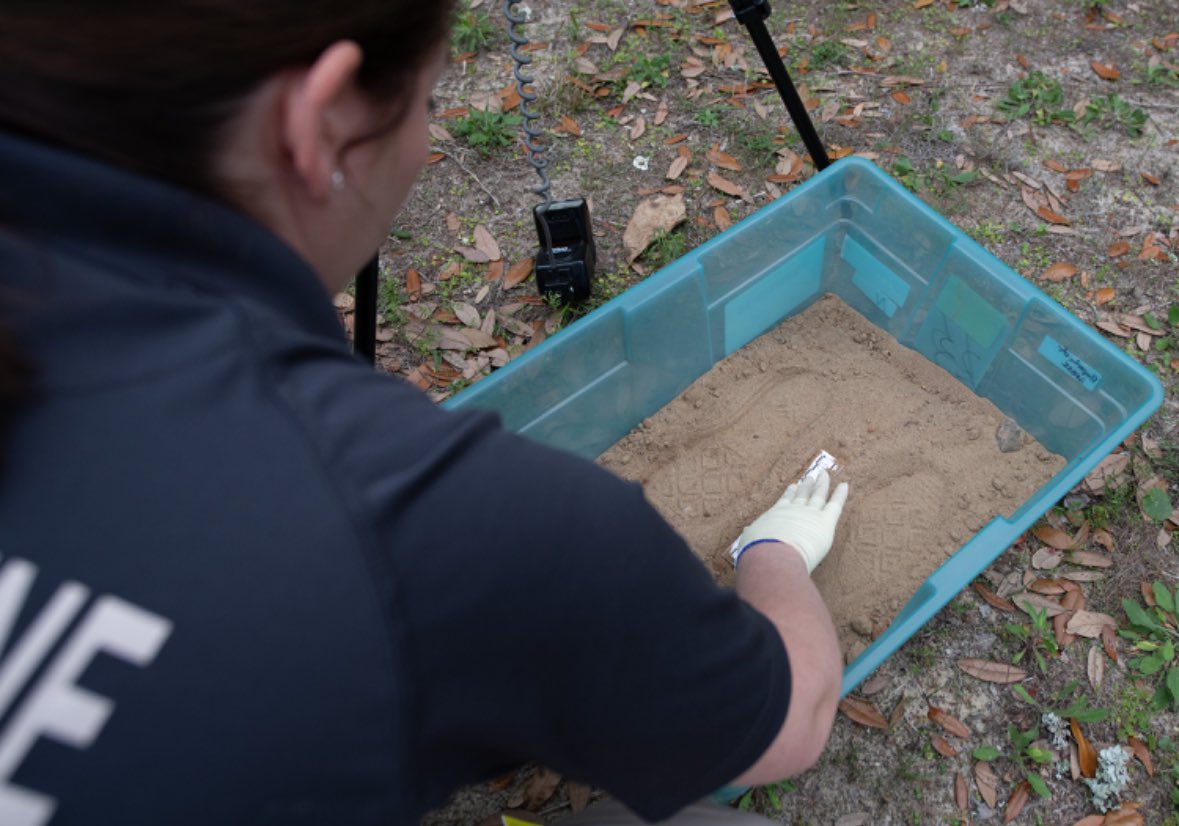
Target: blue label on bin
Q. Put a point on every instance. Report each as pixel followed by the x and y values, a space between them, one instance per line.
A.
pixel 1070 363
pixel 884 288
pixel 970 311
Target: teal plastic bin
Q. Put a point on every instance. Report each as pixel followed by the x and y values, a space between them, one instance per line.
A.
pixel 853 231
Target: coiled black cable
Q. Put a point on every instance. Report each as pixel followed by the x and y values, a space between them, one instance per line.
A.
pixel 532 132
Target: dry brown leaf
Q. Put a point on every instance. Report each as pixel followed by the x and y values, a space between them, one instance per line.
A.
pixel 942 746
pixel 413 284
pixel 1118 248
pixel 1108 472
pixel 722 218
pixel 1104 295
pixel 992 672
pixel 1049 587
pixel 498 784
pixel 579 795
pixel 1053 537
pixel 1089 624
pixel 652 217
pixel 900 97
pixel 1113 328
pixel 1027 600
pixel 677 167
pixel 1102 165
pixel 993 599
pixel 862 712
pixel 1059 272
pixel 1147 594
pixel 1137 322
pixel 485 242
pixel 1109 642
pixel 898 712
pixel 987 783
pixel 1086 754
pixel 1046 559
pixel 961 794
pixel 473 254
pixel 1126 815
pixel 1015 803
pixel 1083 576
pixel 540 788
pixel 518 273
pixel 1150 179
pixel 1142 753
pixel 569 126
pixel 467 314
pixel 495 272
pixel 723 160
pixel 717 181
pixel 1105 539
pixel 1060 630
pixel 1105 71
pixel 1052 217
pixel 1090 559
pixel 952 725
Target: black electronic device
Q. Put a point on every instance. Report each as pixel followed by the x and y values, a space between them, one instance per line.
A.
pixel 567 255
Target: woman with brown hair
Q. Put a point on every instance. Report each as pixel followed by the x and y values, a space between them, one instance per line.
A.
pixel 242 577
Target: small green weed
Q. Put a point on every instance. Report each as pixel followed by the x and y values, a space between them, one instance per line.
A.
pixel 1037 639
pixel 759 145
pixel 1161 75
pixel 391 302
pixel 936 180
pixel 1153 632
pixel 1037 96
pixel 666 247
pixel 828 53
pixel 485 131
pixel 708 116
pixel 769 796
pixel 1114 111
pixel 1133 713
pixel 472 32
pixel 650 71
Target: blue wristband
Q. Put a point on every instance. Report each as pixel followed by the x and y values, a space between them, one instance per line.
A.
pixel 737 555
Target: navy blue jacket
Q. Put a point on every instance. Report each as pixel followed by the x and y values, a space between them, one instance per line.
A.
pixel 244 578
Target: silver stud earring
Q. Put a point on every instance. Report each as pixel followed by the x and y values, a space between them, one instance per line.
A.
pixel 338 181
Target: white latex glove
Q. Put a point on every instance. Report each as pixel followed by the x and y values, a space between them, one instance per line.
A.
pixel 804 518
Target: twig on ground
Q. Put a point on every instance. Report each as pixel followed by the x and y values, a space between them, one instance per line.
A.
pixel 475 177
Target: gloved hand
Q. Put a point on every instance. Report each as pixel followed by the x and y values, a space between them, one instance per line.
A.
pixel 804 517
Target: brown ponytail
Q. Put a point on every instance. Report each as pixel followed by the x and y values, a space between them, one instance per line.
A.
pixel 150 85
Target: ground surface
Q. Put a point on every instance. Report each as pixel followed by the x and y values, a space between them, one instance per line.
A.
pixel 1047 130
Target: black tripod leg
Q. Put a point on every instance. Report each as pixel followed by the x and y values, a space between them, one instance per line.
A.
pixel 752 13
pixel 364 329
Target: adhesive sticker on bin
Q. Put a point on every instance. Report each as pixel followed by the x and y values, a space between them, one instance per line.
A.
pixel 1060 356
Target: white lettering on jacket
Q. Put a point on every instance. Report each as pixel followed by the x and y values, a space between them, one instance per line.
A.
pixel 56 707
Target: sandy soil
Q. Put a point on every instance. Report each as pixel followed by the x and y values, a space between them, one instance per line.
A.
pixel 919 450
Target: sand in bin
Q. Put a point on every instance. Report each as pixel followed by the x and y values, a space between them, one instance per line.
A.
pixel 917 447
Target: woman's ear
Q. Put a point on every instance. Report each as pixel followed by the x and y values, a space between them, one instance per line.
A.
pixel 321 117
